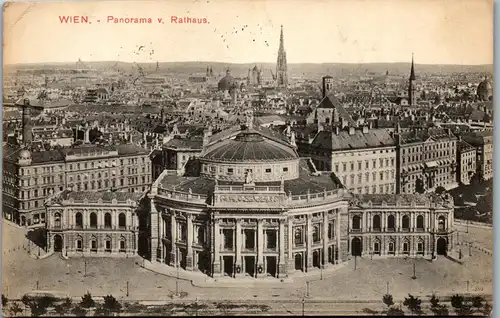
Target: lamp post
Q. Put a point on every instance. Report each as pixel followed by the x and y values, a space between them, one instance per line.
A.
pixel 127 289
pixel 467 286
pixel 321 265
pixel 355 261
pixel 303 306
pixel 414 274
pixel 467 227
pixel 387 289
pixel 85 268
pixel 307 289
pixel 177 281
pixel 470 252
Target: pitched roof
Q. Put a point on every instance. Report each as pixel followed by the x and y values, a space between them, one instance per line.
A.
pixel 359 140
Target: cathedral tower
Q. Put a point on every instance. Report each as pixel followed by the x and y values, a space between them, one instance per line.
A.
pixel 281 68
pixel 412 99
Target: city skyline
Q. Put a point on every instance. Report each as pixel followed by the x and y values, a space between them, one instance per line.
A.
pixel 252 35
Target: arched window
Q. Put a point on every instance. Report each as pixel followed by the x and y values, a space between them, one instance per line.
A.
pixel 123 244
pixel 405 220
pixel 391 247
pixel 107 220
pixel 57 220
pixel 391 222
pixel 376 222
pixel 406 247
pixel 79 220
pixel 316 235
pixel 420 222
pixel 79 243
pixel 298 237
pixel 121 220
pixel 93 220
pixel 356 222
pixel 376 247
pixel 442 223
pixel 93 244
pixel 108 244
pixel 201 235
pixel 420 247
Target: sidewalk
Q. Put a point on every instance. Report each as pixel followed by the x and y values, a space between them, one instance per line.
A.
pixel 199 279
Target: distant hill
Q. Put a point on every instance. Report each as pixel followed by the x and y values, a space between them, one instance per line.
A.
pixel 241 70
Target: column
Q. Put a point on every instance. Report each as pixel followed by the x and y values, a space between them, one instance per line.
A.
pixel 291 263
pixel 325 240
pixel 161 225
pixel 309 232
pixel 282 260
pixel 189 254
pixel 173 239
pixel 154 231
pixel 337 234
pixel 260 246
pixel 238 246
pixel 216 248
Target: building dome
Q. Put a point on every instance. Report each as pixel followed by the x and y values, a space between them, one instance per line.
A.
pixel 24 154
pixel 250 146
pixel 227 82
pixel 484 89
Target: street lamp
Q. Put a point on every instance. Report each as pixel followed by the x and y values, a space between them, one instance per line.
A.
pixel 355 261
pixel 177 280
pixel 307 289
pixel 303 305
pixel 467 227
pixel 414 274
pixel 470 252
pixel 321 265
pixel 387 289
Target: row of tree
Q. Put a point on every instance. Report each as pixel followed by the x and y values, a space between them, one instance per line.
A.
pixel 462 306
pixel 39 306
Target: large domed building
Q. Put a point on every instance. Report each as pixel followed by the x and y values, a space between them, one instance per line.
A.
pixel 485 90
pixel 249 206
pixel 227 83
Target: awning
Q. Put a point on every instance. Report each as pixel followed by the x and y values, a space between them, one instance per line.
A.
pixel 431 164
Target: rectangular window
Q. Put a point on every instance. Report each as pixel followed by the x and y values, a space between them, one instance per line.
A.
pixel 230 171
pixel 285 169
pixel 268 170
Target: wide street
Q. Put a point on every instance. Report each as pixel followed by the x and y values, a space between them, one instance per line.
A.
pixel 369 281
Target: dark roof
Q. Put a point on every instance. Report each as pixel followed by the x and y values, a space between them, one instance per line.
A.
pixel 464 146
pixel 184 143
pixel 130 149
pixel 359 140
pixel 413 136
pixel 249 146
pixel 330 101
pixel 392 199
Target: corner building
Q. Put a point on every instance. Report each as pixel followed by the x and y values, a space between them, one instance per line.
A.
pixel 249 206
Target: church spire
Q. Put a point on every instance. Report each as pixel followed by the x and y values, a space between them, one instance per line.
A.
pixel 281 65
pixel 282 41
pixel 412 72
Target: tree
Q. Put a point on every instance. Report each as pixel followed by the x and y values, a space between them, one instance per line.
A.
pixel 457 301
pixel 477 302
pixel 393 311
pixel 79 311
pixel 15 309
pixel 440 310
pixel 419 186
pixel 111 304
pixel 5 300
pixel 440 190
pixel 37 309
pixel 388 300
pixel 64 307
pixel 486 309
pixel 413 304
pixel 434 301
pixel 87 301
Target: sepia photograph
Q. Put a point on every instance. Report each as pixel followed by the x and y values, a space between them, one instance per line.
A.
pixel 266 157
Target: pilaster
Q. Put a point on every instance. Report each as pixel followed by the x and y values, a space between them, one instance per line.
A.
pixel 189 252
pixel 282 260
pixel 309 237
pixel 173 239
pixel 238 246
pixel 325 240
pixel 260 244
pixel 154 231
pixel 216 270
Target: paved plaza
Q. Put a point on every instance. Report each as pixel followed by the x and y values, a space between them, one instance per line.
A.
pixel 369 281
pixel 482 236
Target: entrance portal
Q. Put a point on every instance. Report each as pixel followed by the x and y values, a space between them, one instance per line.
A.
pixel 441 246
pixel 58 243
pixel 356 247
pixel 228 265
pixel 250 265
pixel 271 265
pixel 298 262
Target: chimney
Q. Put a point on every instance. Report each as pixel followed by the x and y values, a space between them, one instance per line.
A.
pixel 87 136
pixel 351 130
pixel 337 130
pixel 27 130
pixel 365 129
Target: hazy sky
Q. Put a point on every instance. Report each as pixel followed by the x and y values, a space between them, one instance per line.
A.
pixel 319 31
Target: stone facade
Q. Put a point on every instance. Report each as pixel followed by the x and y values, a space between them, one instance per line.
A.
pixel 93 224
